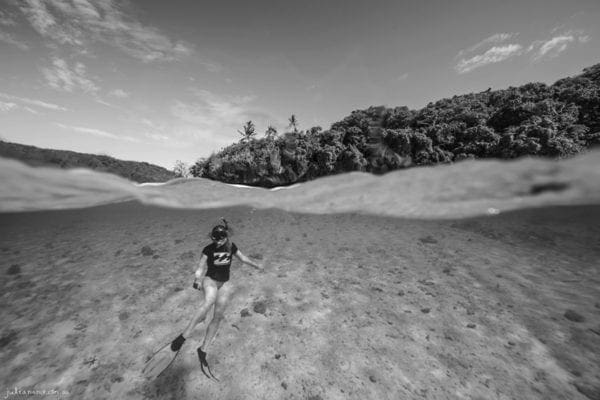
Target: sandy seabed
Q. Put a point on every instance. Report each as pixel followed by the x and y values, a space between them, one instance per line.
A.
pixel 349 306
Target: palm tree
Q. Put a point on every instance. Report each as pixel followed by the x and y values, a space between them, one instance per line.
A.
pixel 271 132
pixel 249 130
pixel 293 123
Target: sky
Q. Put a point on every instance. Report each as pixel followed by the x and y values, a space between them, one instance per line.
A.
pixel 161 81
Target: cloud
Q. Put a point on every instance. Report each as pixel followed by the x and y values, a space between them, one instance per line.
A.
pixel 494 39
pixel 80 22
pixel 214 119
pixel 98 132
pixel 44 22
pixel 402 77
pixel 8 106
pixel 158 137
pixel 212 109
pixel 105 103
pixel 168 134
pixel 493 55
pixel 10 39
pixel 63 77
pixel 120 93
pixel 31 102
pixel 4 106
pixel 553 47
pixel 584 39
pixel 31 110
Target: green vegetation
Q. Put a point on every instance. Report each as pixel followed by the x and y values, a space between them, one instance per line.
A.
pixel 534 119
pixel 134 171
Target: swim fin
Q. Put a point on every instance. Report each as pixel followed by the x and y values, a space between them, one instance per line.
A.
pixel 159 362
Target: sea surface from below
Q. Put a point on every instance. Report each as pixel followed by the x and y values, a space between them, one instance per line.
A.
pixel 464 189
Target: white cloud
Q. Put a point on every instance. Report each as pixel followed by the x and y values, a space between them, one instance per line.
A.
pixel 4 106
pixel 32 102
pixel 158 132
pixel 80 22
pixel 494 55
pixel 10 39
pixel 120 93
pixel 8 106
pixel 97 132
pixel 533 45
pixel 44 22
pixel 63 77
pixel 213 119
pixel 553 47
pixel 211 109
pixel 584 39
pixel 158 137
pixel 494 39
pixel 31 110
pixel 105 103
pixel 540 48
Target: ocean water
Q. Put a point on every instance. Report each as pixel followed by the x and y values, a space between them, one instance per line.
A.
pixel 469 188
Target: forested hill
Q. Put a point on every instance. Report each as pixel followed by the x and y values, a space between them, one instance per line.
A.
pixel 535 119
pixel 132 170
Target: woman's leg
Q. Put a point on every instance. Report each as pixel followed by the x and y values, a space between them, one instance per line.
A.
pixel 210 296
pixel 222 300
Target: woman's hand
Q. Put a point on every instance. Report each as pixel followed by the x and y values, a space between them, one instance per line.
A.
pixel 197 285
pixel 259 267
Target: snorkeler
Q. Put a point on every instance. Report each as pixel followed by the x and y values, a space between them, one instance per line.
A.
pixel 212 276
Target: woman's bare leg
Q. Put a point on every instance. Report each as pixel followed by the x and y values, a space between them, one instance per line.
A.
pixel 210 297
pixel 223 297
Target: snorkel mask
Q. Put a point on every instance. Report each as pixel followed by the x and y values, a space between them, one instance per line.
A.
pixel 219 232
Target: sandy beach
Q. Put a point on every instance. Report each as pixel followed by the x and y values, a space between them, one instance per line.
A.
pixel 349 306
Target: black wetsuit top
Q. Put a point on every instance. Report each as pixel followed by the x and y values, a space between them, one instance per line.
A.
pixel 219 261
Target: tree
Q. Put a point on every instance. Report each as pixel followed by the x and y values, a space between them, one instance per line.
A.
pixel 181 169
pixel 293 123
pixel 270 133
pixel 197 170
pixel 389 149
pixel 249 131
pixel 398 118
pixel 556 120
pixel 352 159
pixel 315 130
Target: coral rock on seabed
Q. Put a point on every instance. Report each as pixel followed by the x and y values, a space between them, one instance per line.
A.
pixel 574 316
pixel 260 307
pixel 147 251
pixel 14 269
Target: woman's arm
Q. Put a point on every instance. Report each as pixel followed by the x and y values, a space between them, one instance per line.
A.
pixel 200 272
pixel 248 261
